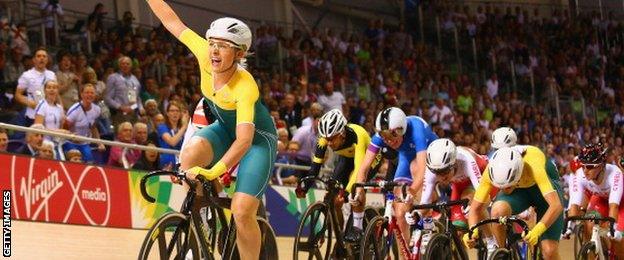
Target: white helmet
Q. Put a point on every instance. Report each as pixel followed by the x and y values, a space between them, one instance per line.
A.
pixel 505 167
pixel 390 119
pixel 231 29
pixel 503 137
pixel 441 155
pixel 331 123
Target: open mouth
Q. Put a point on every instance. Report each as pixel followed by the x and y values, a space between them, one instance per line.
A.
pixel 215 62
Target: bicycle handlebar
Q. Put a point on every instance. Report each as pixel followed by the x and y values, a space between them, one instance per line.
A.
pixel 386 186
pixel 378 184
pixel 179 174
pixel 329 182
pixel 500 220
pixel 595 219
pixel 438 205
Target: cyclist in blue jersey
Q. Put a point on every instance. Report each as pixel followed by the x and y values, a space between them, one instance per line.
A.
pixel 410 137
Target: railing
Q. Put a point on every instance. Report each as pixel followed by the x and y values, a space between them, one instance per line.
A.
pixel 74 137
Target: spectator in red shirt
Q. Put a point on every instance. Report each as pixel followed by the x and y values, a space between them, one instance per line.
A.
pixel 120 156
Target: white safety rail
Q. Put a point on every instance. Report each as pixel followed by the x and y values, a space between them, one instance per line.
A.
pixel 74 137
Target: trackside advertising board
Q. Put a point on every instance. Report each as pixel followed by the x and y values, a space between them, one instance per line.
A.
pixel 72 193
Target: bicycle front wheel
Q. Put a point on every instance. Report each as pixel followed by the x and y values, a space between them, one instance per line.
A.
pixel 377 241
pixel 172 237
pixel 268 250
pixel 268 243
pixel 439 247
pixel 588 251
pixel 314 235
pixel 579 240
pixel 369 214
pixel 500 254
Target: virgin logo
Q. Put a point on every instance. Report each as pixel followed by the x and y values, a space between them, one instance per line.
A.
pixel 49 191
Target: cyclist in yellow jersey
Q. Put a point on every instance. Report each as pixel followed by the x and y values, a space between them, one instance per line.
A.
pixel 349 142
pixel 243 132
pixel 520 173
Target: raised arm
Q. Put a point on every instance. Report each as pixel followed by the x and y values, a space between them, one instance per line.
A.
pixel 167 16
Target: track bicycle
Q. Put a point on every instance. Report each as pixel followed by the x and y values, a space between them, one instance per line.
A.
pixel 185 235
pixel 596 247
pixel 319 225
pixel 443 241
pixel 379 238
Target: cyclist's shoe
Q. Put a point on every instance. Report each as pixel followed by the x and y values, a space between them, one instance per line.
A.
pixel 353 235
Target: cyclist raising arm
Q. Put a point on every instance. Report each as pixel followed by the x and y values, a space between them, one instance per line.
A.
pixel 523 181
pixel 244 132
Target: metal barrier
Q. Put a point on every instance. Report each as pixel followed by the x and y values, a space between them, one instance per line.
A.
pixel 127 145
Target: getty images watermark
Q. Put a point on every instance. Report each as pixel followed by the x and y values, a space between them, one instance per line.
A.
pixel 6 223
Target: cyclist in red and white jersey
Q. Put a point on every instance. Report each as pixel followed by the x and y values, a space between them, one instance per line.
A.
pixel 460 167
pixel 602 183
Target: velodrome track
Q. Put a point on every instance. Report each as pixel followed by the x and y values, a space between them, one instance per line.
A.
pixel 35 240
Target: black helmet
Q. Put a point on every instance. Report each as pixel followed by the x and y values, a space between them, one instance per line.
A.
pixel 593 154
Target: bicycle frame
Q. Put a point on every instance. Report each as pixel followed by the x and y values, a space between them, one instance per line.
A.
pixel 195 223
pixel 392 228
pixel 449 229
pixel 595 237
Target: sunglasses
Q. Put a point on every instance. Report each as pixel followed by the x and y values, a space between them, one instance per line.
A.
pixel 333 138
pixel 591 166
pixel 444 171
pixel 221 45
pixel 389 134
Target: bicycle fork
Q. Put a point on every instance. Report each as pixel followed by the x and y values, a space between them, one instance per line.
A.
pixel 597 241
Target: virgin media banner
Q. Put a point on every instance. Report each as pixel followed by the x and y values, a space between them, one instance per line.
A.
pixel 62 192
pixel 65 192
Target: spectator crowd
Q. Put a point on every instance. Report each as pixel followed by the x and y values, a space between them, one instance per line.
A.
pixel 141 87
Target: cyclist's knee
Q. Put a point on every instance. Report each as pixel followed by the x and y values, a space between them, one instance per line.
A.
pixel 197 151
pixel 550 249
pixel 244 208
pixel 501 208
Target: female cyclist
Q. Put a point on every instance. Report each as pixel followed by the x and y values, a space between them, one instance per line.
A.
pixel 244 131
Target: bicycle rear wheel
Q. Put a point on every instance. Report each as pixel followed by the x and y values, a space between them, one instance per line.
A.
pixel 314 235
pixel 172 237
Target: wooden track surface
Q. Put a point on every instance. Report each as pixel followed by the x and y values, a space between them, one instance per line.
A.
pixel 34 240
